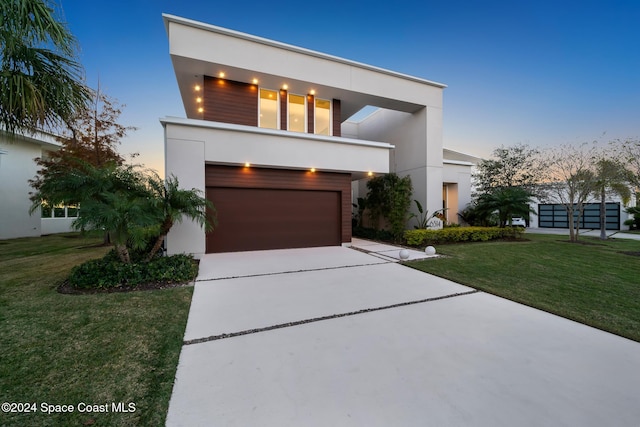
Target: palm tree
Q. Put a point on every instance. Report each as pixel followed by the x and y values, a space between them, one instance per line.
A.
pixel 507 201
pixel 40 79
pixel 610 177
pixel 112 198
pixel 171 204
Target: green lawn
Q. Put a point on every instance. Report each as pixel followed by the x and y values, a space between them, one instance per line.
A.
pixel 592 283
pixel 92 349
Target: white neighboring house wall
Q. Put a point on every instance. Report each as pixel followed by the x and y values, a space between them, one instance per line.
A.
pixel 17 167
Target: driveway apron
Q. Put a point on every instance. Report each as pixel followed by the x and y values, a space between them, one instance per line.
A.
pixel 338 337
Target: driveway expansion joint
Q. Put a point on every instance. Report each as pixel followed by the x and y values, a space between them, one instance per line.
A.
pixel 275 273
pixel 318 319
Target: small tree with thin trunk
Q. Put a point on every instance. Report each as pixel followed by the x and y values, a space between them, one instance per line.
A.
pixel 628 151
pixel 610 177
pixel 570 180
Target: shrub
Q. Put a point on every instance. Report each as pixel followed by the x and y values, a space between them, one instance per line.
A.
pixel 372 234
pixel 633 223
pixel 389 197
pixel 460 234
pixel 109 272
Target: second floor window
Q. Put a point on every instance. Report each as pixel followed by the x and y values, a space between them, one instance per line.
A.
pixel 297 116
pixel 322 117
pixel 268 109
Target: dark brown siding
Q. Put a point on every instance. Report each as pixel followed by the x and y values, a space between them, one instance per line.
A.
pixel 311 110
pixel 230 102
pixel 285 208
pixel 337 123
pixel 283 109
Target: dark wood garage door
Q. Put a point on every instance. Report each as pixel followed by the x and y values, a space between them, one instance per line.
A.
pixel 260 208
pixel 256 219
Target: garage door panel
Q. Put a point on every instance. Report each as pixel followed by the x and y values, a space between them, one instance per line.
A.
pixel 255 219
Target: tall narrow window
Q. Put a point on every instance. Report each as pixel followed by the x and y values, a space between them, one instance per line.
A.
pixel 268 109
pixel 297 113
pixel 323 117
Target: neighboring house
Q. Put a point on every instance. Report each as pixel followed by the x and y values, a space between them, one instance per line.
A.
pixel 553 215
pixel 17 167
pixel 268 140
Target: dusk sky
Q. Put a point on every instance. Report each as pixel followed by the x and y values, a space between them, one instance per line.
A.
pixel 542 73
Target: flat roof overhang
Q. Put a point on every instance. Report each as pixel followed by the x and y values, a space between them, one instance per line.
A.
pixel 199 49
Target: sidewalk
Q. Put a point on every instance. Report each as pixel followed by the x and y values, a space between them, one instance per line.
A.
pixel 612 234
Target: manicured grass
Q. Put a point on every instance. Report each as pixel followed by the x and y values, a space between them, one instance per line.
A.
pixel 592 283
pixel 96 349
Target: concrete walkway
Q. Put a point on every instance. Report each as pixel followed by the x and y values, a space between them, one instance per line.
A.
pixel 611 234
pixel 339 337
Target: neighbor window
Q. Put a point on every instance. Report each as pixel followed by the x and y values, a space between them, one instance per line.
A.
pixel 297 113
pixel 59 211
pixel 268 109
pixel 323 117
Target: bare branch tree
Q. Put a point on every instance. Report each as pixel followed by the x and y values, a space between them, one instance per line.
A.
pixel 628 151
pixel 570 180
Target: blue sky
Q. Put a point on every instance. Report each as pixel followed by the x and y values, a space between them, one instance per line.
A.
pixel 542 73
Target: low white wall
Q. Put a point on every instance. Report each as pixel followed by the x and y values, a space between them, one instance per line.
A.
pixel 56 225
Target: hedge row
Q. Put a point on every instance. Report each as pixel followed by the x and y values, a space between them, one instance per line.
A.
pixel 460 234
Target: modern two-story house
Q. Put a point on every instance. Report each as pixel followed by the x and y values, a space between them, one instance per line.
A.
pixel 267 138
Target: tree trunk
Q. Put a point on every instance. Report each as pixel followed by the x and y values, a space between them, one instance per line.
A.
pixel 603 214
pixel 123 253
pixel 155 248
pixel 164 230
pixel 572 231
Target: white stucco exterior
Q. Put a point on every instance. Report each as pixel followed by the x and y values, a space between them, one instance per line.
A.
pixel 403 136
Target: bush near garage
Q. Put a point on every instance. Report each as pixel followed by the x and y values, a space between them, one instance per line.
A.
pixel 460 234
pixel 110 273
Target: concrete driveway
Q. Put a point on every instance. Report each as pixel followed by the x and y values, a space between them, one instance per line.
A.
pixel 338 337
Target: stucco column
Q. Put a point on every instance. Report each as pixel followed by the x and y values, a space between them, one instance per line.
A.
pixel 433 123
pixel 185 159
